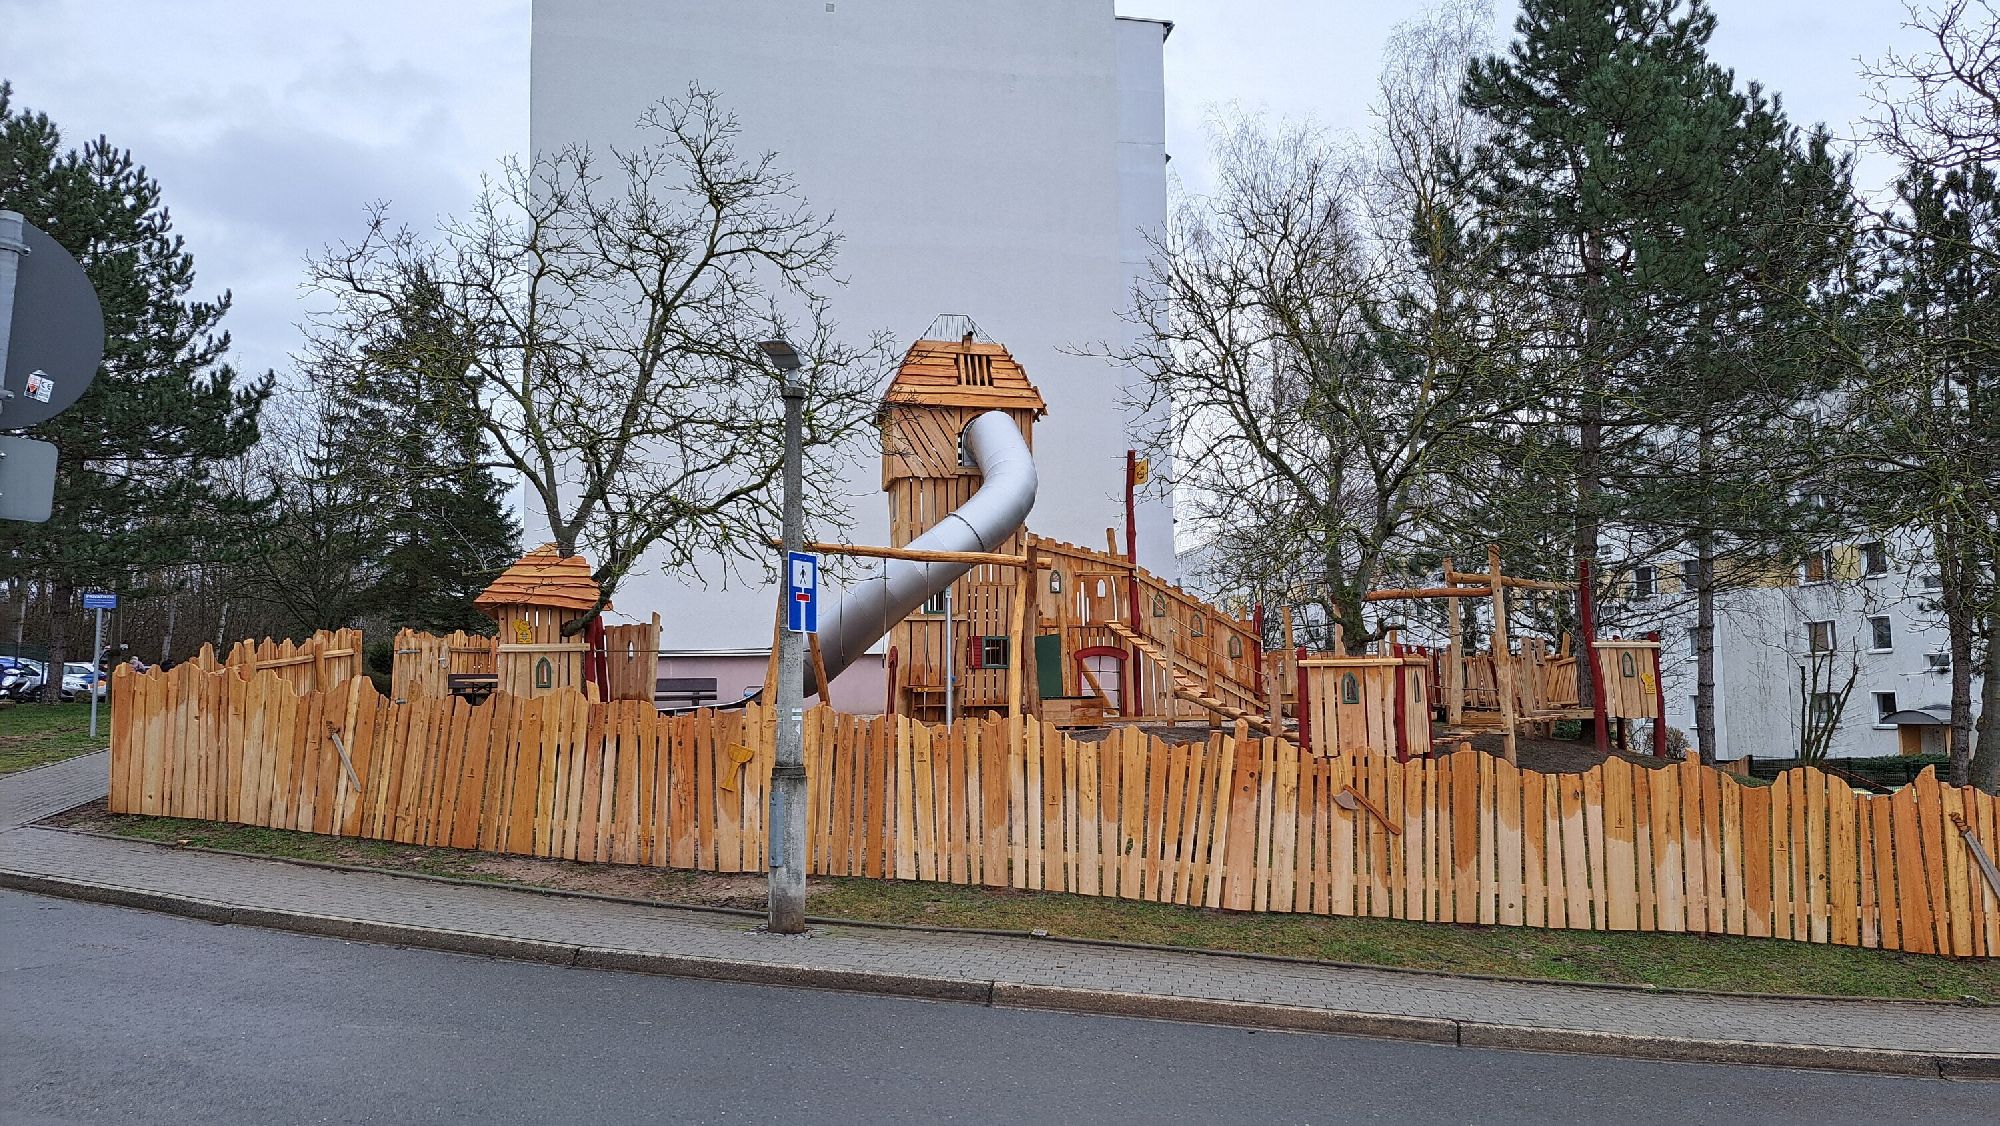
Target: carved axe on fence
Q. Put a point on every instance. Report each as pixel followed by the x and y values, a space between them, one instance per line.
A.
pixel 1348 799
pixel 1986 868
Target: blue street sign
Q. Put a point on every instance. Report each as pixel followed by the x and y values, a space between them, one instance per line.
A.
pixel 802 592
pixel 99 600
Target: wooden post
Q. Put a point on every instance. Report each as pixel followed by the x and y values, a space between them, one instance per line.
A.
pixel 1274 699
pixel 1302 704
pixel 1257 648
pixel 819 671
pixel 1024 591
pixel 1401 716
pixel 1503 661
pixel 771 667
pixel 1454 669
pixel 1660 700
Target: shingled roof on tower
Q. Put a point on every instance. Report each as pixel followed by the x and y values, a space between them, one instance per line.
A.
pixel 966 372
pixel 543 578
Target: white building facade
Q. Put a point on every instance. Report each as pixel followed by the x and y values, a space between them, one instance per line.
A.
pixel 1869 609
pixel 1002 161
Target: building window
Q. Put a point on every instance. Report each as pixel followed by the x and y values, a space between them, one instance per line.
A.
pixel 1934 580
pixel 1818 567
pixel 993 652
pixel 1881 637
pixel 1819 637
pixel 1874 559
pixel 934 604
pixel 1885 706
pixel 1691 574
pixel 1825 707
pixel 1645 582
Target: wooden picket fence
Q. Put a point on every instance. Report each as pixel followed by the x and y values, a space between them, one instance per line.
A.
pixel 321 661
pixel 1232 822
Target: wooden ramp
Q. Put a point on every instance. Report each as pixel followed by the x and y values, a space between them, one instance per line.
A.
pixel 1184 687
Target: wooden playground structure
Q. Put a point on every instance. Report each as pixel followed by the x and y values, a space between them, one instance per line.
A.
pixel 1078 636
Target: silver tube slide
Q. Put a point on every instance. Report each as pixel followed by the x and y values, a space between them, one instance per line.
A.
pixel 874 605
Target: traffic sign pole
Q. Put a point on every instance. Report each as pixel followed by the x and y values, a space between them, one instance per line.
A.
pixel 90 686
pixel 99 601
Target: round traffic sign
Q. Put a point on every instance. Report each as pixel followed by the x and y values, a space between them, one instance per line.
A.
pixel 57 337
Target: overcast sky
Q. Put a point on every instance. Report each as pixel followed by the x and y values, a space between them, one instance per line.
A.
pixel 270 125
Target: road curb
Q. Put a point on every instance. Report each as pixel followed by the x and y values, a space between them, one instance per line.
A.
pixel 1239 1014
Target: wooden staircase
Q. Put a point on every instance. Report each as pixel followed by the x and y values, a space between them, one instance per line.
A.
pixel 1183 687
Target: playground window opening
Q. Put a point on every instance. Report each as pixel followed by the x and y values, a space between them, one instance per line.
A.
pixel 1819 637
pixel 1874 559
pixel 1885 706
pixel 934 604
pixel 993 652
pixel 1881 635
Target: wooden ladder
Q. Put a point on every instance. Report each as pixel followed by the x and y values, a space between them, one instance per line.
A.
pixel 1183 687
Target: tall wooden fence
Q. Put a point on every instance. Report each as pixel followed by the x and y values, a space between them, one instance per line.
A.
pixel 424 663
pixel 1240 823
pixel 321 661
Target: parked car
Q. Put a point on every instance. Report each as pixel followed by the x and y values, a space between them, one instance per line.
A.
pixel 79 678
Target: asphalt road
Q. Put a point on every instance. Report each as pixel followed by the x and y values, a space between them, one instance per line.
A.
pixel 113 1015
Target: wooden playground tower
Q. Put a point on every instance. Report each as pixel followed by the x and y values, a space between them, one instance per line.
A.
pixel 1037 626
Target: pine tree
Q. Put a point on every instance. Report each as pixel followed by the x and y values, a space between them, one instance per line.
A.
pixel 1670 225
pixel 406 439
pixel 135 487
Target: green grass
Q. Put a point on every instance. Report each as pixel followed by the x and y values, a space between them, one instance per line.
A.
pixel 1747 965
pixel 34 735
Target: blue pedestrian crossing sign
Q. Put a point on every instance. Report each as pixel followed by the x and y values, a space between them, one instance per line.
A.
pixel 99 600
pixel 802 592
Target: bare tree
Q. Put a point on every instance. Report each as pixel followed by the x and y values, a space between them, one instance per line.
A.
pixel 1939 107
pixel 611 307
pixel 1311 341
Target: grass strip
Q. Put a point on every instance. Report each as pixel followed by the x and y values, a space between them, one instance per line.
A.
pixel 1720 963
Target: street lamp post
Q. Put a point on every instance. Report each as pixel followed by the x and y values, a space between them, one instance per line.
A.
pixel 786 912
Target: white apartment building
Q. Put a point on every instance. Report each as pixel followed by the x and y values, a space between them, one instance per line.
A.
pixel 1869 608
pixel 1002 161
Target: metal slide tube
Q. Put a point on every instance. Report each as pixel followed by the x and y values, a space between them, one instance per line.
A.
pixel 982 523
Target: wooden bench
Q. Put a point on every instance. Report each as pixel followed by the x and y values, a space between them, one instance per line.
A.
pixel 683 691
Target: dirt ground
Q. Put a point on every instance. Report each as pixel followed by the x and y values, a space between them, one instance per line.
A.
pixel 1550 756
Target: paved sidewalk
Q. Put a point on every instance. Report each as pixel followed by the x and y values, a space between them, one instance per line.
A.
pixel 1897 1037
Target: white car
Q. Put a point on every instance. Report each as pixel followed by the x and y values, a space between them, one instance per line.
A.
pixel 79 676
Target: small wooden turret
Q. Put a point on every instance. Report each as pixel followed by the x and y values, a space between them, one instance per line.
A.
pixel 532 601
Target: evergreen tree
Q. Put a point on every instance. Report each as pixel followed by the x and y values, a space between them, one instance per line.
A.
pixel 405 437
pixel 1667 223
pixel 135 487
